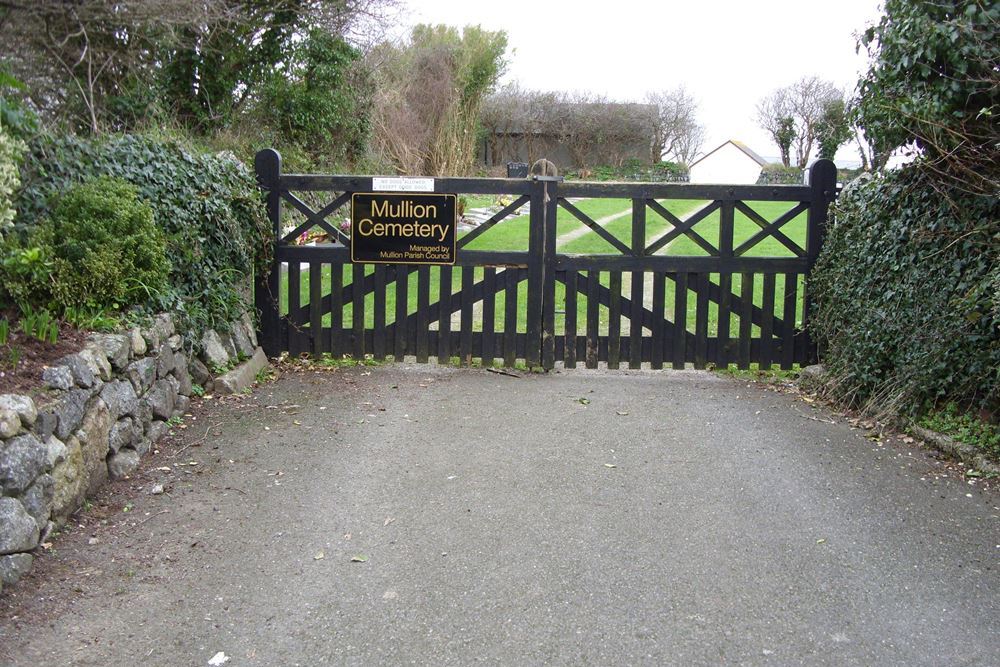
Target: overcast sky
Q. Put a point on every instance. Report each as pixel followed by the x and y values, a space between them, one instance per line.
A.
pixel 728 53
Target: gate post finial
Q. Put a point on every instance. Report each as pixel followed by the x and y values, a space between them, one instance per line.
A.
pixel 267 165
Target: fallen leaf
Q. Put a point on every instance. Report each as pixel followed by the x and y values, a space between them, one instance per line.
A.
pixel 610 465
pixel 219 658
pixel 821 540
pixel 388 521
pixel 297 422
pixel 319 556
pixel 360 558
pixel 621 413
pixel 584 401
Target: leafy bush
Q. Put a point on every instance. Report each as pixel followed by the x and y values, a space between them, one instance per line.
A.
pixel 779 174
pixel 208 207
pixel 907 310
pixel 11 151
pixel 106 252
pixel 966 428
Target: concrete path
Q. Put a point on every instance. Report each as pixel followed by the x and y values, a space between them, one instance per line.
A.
pixel 582 517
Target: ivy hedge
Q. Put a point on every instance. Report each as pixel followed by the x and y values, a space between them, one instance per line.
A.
pixel 207 205
pixel 907 291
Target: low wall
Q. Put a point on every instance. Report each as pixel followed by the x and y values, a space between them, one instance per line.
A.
pixel 99 412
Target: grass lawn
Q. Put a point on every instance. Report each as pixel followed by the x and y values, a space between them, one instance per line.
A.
pixel 511 234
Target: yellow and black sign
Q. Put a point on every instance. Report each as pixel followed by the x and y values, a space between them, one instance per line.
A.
pixel 403 228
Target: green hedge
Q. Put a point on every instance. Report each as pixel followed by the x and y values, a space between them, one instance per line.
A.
pixel 908 305
pixel 208 207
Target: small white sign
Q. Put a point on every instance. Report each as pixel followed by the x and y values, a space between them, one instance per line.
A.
pixel 403 184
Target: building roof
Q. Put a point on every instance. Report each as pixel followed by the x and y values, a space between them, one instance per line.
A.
pixel 740 145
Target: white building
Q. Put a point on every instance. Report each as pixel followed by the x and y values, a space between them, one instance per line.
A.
pixel 732 162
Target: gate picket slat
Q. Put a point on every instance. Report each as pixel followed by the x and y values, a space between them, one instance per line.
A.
pixel 680 320
pixel 402 303
pixel 569 350
pixel 746 319
pixel 615 320
pixel 723 355
pixel 358 311
pixel 593 323
pixel 315 310
pixel 379 314
pixel 336 309
pixel 294 309
pixel 788 315
pixel 489 315
pixel 701 322
pixel 422 343
pixel 510 316
pixel 635 321
pixel 659 313
pixel 465 340
pixel 444 316
pixel 767 323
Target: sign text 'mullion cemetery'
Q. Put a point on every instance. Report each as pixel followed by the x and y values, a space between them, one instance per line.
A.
pixel 403 228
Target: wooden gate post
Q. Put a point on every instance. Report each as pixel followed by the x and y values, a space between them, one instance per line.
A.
pixel 540 349
pixel 267 164
pixel 823 183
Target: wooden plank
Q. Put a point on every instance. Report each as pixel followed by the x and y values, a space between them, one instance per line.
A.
pixel 358 319
pixel 423 307
pixel 682 191
pixel 478 186
pixel 724 354
pixel 402 302
pixel 659 313
pixel 489 315
pixel 788 332
pixel 315 310
pixel 510 317
pixel 767 323
pixel 444 316
pixel 548 337
pixel 569 327
pixel 635 320
pixel 701 322
pixel 465 339
pixel 379 312
pixel 680 264
pixel 593 314
pixel 615 319
pixel 337 347
pixel 746 319
pixel 680 321
pixel 295 314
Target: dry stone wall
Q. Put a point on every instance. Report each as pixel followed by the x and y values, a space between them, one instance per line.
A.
pixel 101 410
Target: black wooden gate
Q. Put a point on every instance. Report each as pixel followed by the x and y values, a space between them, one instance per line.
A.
pixel 721 283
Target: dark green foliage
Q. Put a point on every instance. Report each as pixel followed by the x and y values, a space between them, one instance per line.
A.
pixel 323 103
pixel 105 250
pixel 784 137
pixel 833 129
pixel 906 289
pixel 966 428
pixel 772 174
pixel 208 207
pixel 633 169
pixel 935 81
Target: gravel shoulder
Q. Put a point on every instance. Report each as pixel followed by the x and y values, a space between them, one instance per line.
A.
pixel 415 514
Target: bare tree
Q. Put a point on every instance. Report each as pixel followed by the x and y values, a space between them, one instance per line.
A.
pixel 676 132
pixel 792 115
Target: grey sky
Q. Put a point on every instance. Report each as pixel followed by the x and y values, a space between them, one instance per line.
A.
pixel 728 53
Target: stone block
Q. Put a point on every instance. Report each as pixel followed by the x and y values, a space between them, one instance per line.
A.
pixel 15 566
pixel 70 484
pixel 83 374
pixel 58 377
pixel 142 374
pixel 241 341
pixel 160 399
pixel 213 351
pixel 137 342
pixel 93 435
pixel 22 405
pixel 157 430
pixel 22 460
pixel 70 410
pixel 97 361
pixel 55 451
pixel 124 433
pixel 37 500
pixel 243 376
pixel 116 347
pixel 10 423
pixel 120 397
pixel 123 463
pixel 181 373
pixel 18 531
pixel 164 361
pixel 199 372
